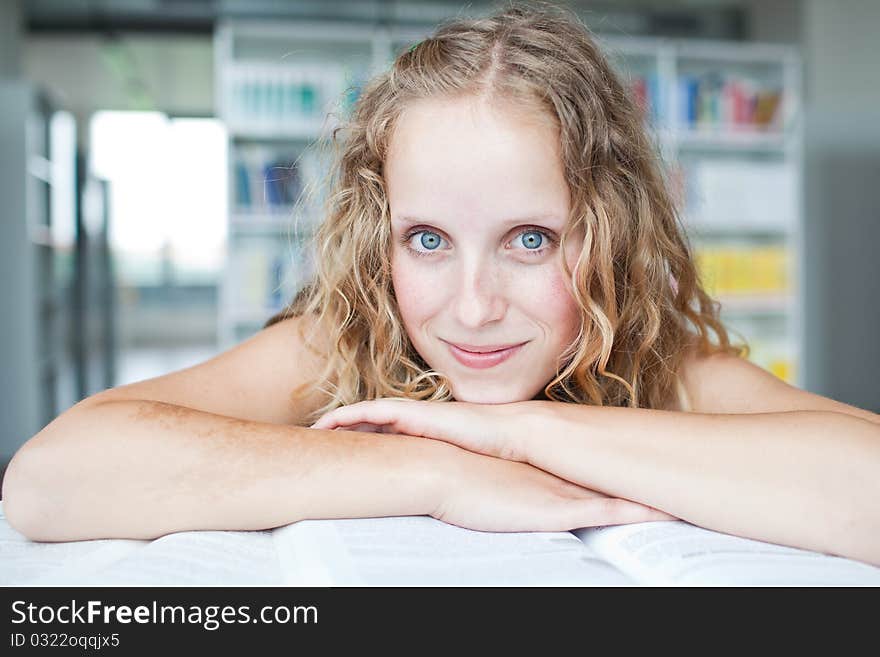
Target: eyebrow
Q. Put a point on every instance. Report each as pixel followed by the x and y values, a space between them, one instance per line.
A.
pixel 512 221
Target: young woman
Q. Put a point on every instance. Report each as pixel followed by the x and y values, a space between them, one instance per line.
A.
pixel 507 320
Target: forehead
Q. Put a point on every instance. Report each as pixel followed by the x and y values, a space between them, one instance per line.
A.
pixel 467 158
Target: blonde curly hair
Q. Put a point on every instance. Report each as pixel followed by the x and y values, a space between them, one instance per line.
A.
pixel 643 306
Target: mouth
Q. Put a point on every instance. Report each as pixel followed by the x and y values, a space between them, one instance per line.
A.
pixel 483 357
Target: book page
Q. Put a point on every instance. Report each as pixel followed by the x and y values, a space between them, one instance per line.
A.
pixel 423 551
pixel 182 559
pixel 672 553
pixel 196 558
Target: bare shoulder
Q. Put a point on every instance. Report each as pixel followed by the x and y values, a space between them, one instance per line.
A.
pixel 254 380
pixel 721 383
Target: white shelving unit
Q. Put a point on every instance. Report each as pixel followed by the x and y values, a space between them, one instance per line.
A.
pixel 726 117
pixel 728 122
pixel 280 90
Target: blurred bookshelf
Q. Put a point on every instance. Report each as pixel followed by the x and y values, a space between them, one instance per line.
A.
pixel 727 121
pixel 725 117
pixel 281 89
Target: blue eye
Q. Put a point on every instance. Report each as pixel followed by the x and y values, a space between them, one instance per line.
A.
pixel 532 239
pixel 430 240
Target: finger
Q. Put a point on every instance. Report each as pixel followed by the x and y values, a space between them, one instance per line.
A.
pixel 354 413
pixel 334 419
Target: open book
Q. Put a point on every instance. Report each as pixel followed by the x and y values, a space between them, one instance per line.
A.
pixel 422 551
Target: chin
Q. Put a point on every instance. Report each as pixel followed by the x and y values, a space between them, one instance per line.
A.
pixel 489 395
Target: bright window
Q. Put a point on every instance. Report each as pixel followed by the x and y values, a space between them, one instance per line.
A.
pixel 168 199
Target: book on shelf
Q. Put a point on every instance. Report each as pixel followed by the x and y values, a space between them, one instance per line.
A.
pixel 290 97
pixel 423 551
pixel 265 182
pixel 645 90
pixel 725 100
pixel 754 282
pixel 749 271
pixel 275 94
pixel 273 183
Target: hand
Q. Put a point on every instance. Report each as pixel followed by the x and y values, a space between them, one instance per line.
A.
pixel 491 429
pixel 478 490
pixel 491 494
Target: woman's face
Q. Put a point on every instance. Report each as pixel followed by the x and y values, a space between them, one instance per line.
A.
pixel 478 202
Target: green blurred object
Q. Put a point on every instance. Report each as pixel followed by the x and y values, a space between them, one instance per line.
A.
pixel 307 96
pixel 120 61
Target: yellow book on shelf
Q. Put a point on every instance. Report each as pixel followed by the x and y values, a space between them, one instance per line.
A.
pixel 743 270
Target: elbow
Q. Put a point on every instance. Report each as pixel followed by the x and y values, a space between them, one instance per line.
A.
pixel 28 494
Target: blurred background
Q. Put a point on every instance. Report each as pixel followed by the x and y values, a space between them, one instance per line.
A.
pixel 152 154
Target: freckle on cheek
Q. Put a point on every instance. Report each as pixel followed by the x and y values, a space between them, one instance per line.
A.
pixel 558 287
pixel 413 290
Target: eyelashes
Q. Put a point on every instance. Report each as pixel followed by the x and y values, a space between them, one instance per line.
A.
pixel 548 237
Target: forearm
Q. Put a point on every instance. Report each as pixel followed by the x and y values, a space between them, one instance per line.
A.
pixel 141 469
pixel 804 478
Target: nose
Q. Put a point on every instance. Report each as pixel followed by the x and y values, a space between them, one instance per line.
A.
pixel 479 297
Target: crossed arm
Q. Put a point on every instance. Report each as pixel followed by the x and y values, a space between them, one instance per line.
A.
pixel 758 458
pixel 809 479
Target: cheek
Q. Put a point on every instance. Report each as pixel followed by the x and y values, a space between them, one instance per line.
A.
pixel 565 305
pixel 569 311
pixel 557 308
pixel 417 290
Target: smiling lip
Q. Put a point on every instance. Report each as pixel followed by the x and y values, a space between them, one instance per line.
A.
pixel 488 356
